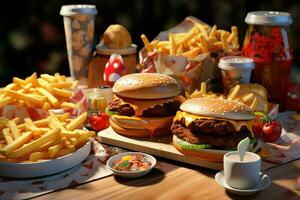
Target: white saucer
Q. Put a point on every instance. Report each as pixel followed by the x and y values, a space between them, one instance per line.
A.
pixel 265 181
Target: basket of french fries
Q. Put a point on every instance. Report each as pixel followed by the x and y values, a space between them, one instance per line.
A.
pixel 189 52
pixel 48 145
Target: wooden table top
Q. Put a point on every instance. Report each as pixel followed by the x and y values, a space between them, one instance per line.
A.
pixel 172 180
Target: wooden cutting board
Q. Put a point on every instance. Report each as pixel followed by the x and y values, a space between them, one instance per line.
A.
pixel 159 147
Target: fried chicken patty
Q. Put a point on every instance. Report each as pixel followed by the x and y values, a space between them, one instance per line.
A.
pixel 218 133
pixel 165 110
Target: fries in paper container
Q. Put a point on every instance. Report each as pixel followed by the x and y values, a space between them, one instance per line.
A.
pixel 189 52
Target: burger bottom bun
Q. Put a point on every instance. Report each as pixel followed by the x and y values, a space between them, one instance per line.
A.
pixel 139 132
pixel 213 155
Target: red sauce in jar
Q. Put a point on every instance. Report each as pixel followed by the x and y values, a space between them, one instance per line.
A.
pixel 268 45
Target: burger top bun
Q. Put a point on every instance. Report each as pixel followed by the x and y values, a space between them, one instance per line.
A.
pixel 147 86
pixel 116 37
pixel 221 108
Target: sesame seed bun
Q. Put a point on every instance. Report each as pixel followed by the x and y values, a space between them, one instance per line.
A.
pixel 146 86
pixel 219 108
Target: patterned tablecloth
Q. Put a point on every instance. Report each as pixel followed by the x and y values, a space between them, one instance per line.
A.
pixel 287 148
pixel 91 169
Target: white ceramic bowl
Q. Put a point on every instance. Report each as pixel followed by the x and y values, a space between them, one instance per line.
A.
pixel 44 168
pixel 126 174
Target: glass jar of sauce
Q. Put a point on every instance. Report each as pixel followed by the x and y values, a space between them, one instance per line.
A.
pixel 267 43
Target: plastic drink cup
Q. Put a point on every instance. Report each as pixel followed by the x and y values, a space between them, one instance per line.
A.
pixel 79 21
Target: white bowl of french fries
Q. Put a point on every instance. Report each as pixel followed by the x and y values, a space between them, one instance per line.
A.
pixel 45 167
pixel 43 147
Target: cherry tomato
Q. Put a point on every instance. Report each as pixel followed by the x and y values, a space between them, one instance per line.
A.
pixel 99 122
pixel 266 128
pixel 271 131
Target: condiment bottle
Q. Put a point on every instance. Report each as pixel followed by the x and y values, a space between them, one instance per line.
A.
pixel 267 42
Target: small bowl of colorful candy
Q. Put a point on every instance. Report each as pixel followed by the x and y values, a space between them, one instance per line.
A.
pixel 131 164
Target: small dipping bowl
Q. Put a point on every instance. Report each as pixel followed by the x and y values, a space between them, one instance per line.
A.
pixel 235 70
pixel 128 174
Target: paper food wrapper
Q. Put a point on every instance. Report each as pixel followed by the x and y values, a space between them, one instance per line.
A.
pixel 189 72
pixel 12 111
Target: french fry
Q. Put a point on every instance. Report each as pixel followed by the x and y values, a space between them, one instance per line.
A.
pixel 69 134
pixel 203 31
pixel 254 104
pixel 14 129
pixel 83 138
pixel 38 156
pixel 19 81
pixel 11 86
pixel 235 40
pixel 24 138
pixel 234 92
pixel 203 88
pixel 44 84
pixel 53 150
pixel 26 97
pixel 30 147
pixel 75 123
pixel 60 78
pixel 68 105
pixel 146 43
pixel 65 151
pixel 32 127
pixel 48 78
pixel 213 31
pixel 46 106
pixel 7 135
pixel 224 40
pixel 62 93
pixel 5 101
pixel 31 79
pixel 172 44
pixel 54 102
pixel 47 145
pixel 248 97
pixel 61 85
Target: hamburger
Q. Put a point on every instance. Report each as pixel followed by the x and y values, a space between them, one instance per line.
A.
pixel 210 123
pixel 144 104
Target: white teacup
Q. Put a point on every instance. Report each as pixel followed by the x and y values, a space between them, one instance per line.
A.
pixel 242 174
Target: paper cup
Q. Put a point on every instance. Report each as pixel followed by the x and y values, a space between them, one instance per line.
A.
pixel 235 70
pixel 79 21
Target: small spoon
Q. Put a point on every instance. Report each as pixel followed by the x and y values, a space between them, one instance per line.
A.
pixel 242 147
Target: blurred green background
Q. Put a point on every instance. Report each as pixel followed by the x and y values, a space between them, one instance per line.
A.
pixel 33 39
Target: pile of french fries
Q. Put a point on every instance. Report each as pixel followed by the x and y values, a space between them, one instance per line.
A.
pixel 46 92
pixel 203 93
pixel 199 39
pixel 253 95
pixel 48 138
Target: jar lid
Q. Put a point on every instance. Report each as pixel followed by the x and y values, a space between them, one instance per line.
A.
pixel 271 18
pixel 86 9
pixel 104 50
pixel 236 63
